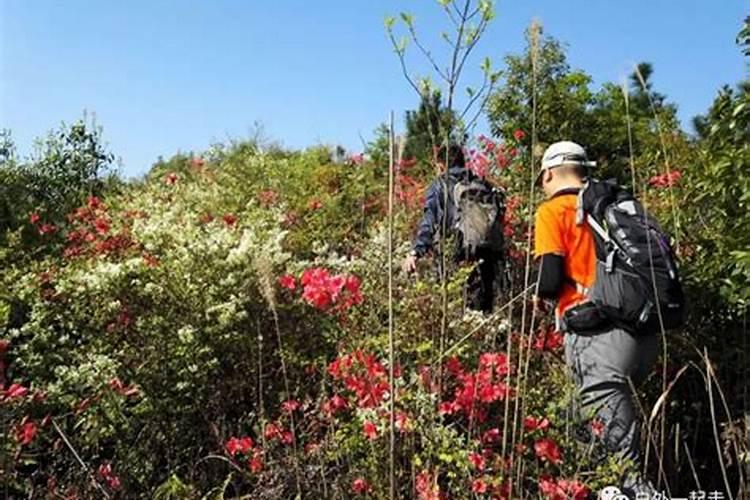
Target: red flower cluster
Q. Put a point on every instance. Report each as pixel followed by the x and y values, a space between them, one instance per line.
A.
pixel 112 480
pixel 548 340
pixel 288 281
pixel 15 391
pixel 547 450
pixel 246 447
pixel 360 486
pixel 334 405
pixel 92 235
pixel 665 180
pixel 427 487
pixel 268 198
pixel 563 489
pixel 370 430
pixel 229 219
pixel 314 204
pixel 477 390
pixel 274 431
pixel 42 228
pixel 26 431
pixel 597 428
pixel 124 390
pixel 519 134
pixel 531 424
pixel 325 291
pixel 290 406
pixel 237 445
pixel 363 375
pixel 170 179
pixel 498 155
pixel 479 163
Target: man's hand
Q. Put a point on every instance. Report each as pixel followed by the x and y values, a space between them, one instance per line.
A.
pixel 409 265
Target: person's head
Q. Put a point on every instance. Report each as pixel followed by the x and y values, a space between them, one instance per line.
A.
pixel 455 155
pixel 564 165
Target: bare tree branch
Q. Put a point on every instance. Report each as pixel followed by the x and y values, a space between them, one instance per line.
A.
pixel 426 53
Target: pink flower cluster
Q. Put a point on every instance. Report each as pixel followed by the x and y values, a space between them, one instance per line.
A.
pixel 563 489
pixel 665 180
pixel 475 391
pixel 245 446
pixel 495 155
pixel 112 480
pixel 363 375
pixel 326 291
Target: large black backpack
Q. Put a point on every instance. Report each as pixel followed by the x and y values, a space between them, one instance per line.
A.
pixel 637 285
pixel 478 218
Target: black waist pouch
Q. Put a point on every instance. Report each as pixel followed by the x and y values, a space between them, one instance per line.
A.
pixel 585 318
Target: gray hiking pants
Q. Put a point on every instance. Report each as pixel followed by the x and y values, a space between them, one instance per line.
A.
pixel 601 365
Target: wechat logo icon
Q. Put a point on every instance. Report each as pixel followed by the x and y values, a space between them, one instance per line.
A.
pixel 612 493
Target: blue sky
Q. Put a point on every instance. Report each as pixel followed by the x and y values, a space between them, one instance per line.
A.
pixel 168 75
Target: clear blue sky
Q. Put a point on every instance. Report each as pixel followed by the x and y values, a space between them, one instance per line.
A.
pixel 167 75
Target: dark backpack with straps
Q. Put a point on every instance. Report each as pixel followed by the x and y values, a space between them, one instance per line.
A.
pixel 479 212
pixel 637 285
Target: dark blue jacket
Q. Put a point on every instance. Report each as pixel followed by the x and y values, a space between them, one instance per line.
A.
pixel 432 220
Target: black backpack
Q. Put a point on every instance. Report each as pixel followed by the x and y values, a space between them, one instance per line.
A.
pixel 478 218
pixel 637 285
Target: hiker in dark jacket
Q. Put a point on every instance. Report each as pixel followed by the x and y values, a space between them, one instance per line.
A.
pixel 439 222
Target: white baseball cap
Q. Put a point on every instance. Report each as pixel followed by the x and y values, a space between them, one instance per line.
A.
pixel 564 153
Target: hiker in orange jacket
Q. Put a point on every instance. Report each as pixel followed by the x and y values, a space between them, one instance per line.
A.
pixel 606 363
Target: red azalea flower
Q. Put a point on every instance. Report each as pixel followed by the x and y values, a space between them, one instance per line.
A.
pixel 477 460
pixel 290 406
pixel 597 428
pixel 453 365
pixel 272 431
pixel 34 217
pixel 535 424
pixel 150 260
pixel 334 405
pixel 4 345
pixel 549 487
pixel 101 225
pixel 94 203
pixel 519 134
pixel 491 436
pixel 402 422
pixel 105 471
pixel 315 204
pixel 370 430
pixel 255 464
pixel 15 391
pixel 427 487
pixel 47 228
pixel 170 179
pixel 287 437
pixel 360 486
pixel 575 490
pixel 547 450
pixel 239 445
pixel 287 281
pixel 268 197
pixel 549 340
pixel 667 179
pixel 229 219
pixel 26 432
pixel 478 486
